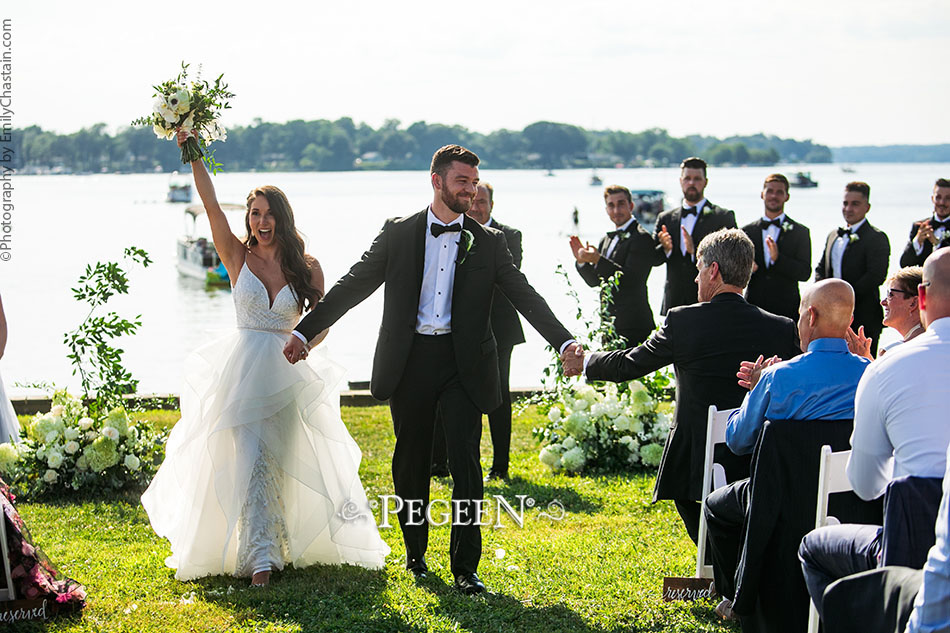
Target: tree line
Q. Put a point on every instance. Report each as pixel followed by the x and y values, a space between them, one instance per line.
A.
pixel 344 145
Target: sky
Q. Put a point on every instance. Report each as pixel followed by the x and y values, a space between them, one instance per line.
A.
pixel 839 72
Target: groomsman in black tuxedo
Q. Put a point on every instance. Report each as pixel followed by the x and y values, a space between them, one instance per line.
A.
pixel 436 349
pixel 858 254
pixel 930 233
pixel 679 230
pixel 627 249
pixel 507 328
pixel 782 253
pixel 705 342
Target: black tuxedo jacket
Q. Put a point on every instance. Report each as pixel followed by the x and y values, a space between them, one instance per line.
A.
pixel 864 266
pixel 634 256
pixel 705 342
pixel 910 257
pixel 681 288
pixel 504 318
pixel 396 258
pixel 775 289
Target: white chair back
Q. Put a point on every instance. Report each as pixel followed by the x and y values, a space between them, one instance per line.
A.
pixel 6 592
pixel 832 478
pixel 714 476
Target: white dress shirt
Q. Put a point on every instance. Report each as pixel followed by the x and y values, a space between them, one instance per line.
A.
pixel 900 418
pixel 838 248
pixel 616 238
pixel 773 232
pixel 438 279
pixel 688 222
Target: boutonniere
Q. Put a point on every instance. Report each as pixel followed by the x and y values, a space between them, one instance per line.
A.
pixel 787 226
pixel 466 245
pixel 853 238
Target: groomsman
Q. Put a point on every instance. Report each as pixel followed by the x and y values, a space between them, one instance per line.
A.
pixel 858 253
pixel 627 249
pixel 436 350
pixel 681 229
pixel 931 233
pixel 507 328
pixel 782 253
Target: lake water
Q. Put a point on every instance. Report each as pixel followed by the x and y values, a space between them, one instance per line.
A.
pixel 62 223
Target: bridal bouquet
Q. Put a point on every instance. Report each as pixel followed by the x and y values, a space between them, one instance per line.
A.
pixel 190 106
pixel 65 449
pixel 607 428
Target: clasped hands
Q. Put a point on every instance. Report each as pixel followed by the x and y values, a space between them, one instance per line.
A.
pixel 295 349
pixel 572 359
pixel 925 232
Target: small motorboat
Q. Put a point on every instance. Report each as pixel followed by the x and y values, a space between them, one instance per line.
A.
pixel 197 257
pixel 179 189
pixel 802 179
pixel 595 180
pixel 647 206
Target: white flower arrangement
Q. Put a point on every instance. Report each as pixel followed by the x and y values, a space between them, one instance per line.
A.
pixel 608 427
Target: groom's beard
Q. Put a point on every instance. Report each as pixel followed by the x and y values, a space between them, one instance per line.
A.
pixel 460 203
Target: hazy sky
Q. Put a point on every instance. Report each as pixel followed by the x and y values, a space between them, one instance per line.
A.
pixel 840 72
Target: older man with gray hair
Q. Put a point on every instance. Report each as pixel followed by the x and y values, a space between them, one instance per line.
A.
pixel 705 342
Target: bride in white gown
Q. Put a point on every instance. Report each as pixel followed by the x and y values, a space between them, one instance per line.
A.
pixel 260 467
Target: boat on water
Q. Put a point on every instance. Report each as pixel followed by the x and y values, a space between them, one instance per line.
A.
pixel 179 189
pixel 802 179
pixel 196 255
pixel 847 169
pixel 647 206
pixel 595 180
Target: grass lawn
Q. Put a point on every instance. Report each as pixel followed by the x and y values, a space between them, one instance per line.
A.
pixel 599 568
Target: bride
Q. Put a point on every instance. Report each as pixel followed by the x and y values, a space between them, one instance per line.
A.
pixel 260 467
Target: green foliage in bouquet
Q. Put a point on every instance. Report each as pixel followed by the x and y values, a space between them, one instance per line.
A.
pixel 99 365
pixel 600 427
pixel 70 448
pixel 194 106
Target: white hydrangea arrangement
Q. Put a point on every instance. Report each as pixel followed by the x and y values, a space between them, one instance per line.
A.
pixel 607 428
pixel 65 449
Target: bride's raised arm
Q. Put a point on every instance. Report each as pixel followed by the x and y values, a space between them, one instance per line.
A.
pixel 230 249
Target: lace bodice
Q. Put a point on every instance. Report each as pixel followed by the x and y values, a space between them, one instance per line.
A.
pixel 251 305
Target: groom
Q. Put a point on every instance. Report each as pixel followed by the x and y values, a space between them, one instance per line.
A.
pixel 436 349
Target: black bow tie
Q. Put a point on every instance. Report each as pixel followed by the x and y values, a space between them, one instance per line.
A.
pixel 613 234
pixel 689 211
pixel 842 231
pixel 936 224
pixel 767 223
pixel 439 229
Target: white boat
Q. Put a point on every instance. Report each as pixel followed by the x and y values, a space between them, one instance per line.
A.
pixel 179 189
pixel 196 256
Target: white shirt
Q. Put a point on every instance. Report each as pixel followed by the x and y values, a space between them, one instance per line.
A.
pixel 438 279
pixel 838 248
pixel 616 238
pixel 900 419
pixel 688 222
pixel 773 232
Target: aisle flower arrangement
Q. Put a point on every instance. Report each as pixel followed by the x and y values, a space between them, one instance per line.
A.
pixel 65 449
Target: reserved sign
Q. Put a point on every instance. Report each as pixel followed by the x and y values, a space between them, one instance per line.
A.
pixel 691 588
pixel 23 610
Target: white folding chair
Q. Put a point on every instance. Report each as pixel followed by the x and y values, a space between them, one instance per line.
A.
pixel 714 476
pixel 6 592
pixel 832 478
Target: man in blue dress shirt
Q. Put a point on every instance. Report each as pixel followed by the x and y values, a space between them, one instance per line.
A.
pixel 818 385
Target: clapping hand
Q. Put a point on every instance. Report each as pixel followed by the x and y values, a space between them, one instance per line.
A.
pixel 773 248
pixel 925 232
pixel 687 240
pixel 584 253
pixel 572 360
pixel 294 350
pixel 665 240
pixel 749 371
pixel 859 344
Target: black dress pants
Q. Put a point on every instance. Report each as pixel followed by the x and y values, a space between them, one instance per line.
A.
pixel 429 383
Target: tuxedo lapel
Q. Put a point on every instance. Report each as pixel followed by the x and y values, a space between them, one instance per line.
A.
pixel 829 242
pixel 417 247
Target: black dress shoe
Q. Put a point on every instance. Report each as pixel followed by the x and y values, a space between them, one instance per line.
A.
pixel 439 470
pixel 418 568
pixel 496 475
pixel 469 584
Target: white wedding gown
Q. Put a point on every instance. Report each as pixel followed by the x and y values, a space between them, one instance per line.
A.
pixel 260 467
pixel 9 426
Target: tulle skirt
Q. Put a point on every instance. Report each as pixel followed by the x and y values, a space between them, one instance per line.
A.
pixel 9 426
pixel 260 465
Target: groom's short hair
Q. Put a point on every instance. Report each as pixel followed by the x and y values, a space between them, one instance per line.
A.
pixel 448 154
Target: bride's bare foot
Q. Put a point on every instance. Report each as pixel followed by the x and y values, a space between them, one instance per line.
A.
pixel 260 579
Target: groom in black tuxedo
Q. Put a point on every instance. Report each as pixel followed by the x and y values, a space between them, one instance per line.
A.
pixel 436 348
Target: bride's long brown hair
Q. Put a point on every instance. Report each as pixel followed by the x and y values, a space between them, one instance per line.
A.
pixel 293 264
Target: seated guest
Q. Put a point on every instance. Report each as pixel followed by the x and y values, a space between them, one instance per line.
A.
pixel 818 385
pixel 901 307
pixel 704 342
pixel 900 429
pixel 889 599
pixel 931 233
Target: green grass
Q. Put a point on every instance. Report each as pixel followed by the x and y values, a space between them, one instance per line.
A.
pixel 599 568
